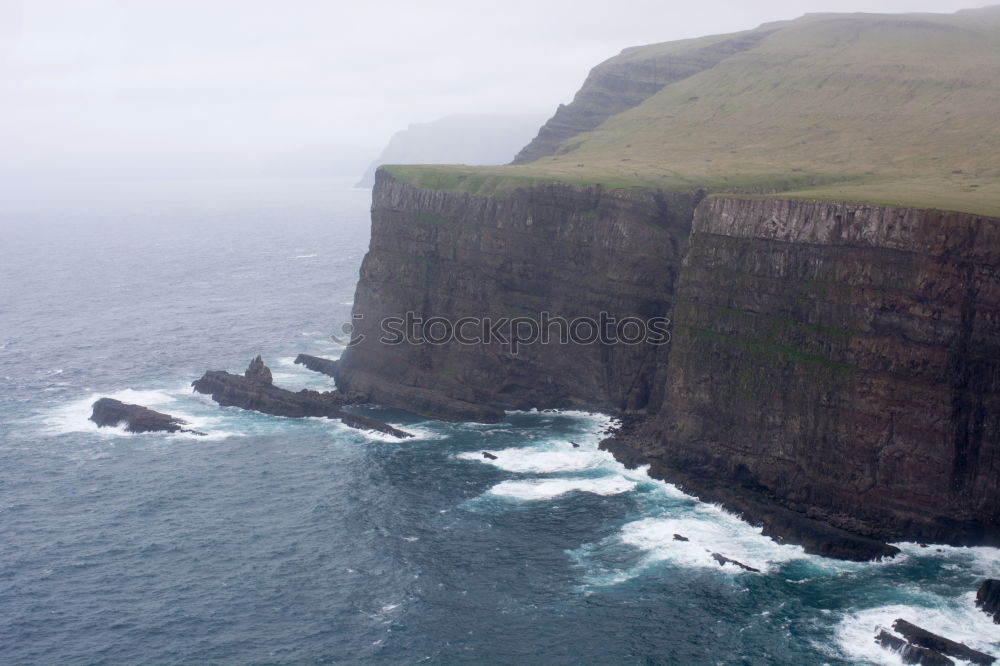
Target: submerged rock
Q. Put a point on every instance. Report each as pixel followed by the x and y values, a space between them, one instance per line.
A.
pixel 316 364
pixel 111 412
pixel 489 456
pixel 911 654
pixel 988 598
pixel 680 537
pixel 255 391
pixel 931 641
pixel 723 560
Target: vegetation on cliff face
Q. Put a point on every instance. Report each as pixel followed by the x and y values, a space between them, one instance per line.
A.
pixel 890 109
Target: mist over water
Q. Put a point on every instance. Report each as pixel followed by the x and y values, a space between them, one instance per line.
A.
pixel 276 540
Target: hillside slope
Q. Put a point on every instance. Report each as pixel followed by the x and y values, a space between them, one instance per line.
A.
pixel 893 109
pixel 630 79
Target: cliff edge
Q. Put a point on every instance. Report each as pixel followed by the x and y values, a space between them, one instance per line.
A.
pixel 811 209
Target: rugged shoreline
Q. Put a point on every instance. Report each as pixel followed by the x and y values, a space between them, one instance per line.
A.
pixel 757 507
pixel 834 368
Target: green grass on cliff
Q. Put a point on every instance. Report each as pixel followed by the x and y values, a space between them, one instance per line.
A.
pixel 892 109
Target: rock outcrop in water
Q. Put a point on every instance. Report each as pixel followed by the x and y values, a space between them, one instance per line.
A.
pixel 136 418
pixel 723 561
pixel 834 369
pixel 316 364
pixel 927 640
pixel 988 598
pixel 911 654
pixel 254 391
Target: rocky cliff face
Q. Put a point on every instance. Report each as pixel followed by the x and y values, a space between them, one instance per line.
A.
pixel 834 369
pixel 843 358
pixel 568 251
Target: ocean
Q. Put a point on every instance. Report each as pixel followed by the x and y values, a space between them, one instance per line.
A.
pixel 275 540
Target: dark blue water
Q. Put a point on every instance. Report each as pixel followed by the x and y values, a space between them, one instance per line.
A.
pixel 301 541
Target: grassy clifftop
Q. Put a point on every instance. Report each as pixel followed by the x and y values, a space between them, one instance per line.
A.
pixel 895 109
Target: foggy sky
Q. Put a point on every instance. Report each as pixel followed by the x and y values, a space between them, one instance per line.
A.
pixel 218 88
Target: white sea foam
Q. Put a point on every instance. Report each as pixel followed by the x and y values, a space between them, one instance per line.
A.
pixel 288 374
pixel 543 489
pixel 669 490
pixel 544 459
pixel 554 455
pixel 305 256
pixel 592 424
pixel 74 416
pixel 419 432
pixel 957 619
pixel 981 560
pixel 709 530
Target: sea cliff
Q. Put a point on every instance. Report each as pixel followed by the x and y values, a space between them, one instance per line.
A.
pixel 570 251
pixel 834 369
pixel 841 359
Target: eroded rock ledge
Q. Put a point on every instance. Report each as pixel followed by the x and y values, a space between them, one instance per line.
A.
pixel 325 366
pixel 255 391
pixel 919 646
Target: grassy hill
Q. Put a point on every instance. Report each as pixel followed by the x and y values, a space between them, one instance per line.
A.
pixel 899 109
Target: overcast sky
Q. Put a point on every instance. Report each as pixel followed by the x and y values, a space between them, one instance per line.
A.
pixel 204 88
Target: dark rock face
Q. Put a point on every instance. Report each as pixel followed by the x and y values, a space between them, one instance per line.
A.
pixel 988 598
pixel 252 392
pixel 111 412
pixel 258 372
pixel 567 251
pixel 834 369
pixel 756 505
pixel 911 654
pixel 627 80
pixel 680 537
pixel 489 456
pixel 317 364
pixel 930 641
pixel 842 360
